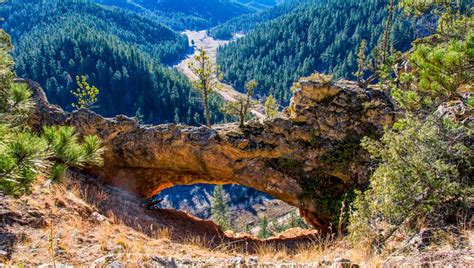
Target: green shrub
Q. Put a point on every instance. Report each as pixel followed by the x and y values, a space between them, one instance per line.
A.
pixel 25 155
pixel 425 174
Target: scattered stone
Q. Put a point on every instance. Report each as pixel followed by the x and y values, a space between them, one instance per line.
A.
pixel 115 265
pixel 325 263
pixel 420 240
pixel 57 265
pixel 162 262
pixel 97 217
pixel 343 263
pixel 185 262
pixel 238 261
pixel 253 261
pixel 102 260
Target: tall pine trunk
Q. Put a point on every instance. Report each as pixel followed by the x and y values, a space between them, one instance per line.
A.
pixel 206 104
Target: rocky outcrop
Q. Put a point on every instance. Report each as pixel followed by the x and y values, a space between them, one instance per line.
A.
pixel 309 159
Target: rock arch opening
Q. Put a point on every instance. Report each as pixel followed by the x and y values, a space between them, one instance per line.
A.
pixel 246 208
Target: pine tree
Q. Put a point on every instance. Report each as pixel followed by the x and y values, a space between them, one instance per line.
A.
pixel 219 208
pixel 85 94
pixel 242 106
pixel 361 61
pixel 271 107
pixel 207 81
pixel 264 232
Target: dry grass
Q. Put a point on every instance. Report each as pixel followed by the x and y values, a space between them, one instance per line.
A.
pixel 323 249
pixel 162 233
pixel 113 218
pixel 198 241
pixel 271 253
pixel 79 239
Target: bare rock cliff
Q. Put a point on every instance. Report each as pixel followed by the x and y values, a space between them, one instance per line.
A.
pixel 309 159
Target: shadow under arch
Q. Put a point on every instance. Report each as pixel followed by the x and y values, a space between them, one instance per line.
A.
pixel 181 227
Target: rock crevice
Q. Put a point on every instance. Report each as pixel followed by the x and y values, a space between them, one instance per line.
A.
pixel 309 159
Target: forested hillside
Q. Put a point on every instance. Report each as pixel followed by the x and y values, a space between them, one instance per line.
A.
pixel 185 14
pixel 119 51
pixel 247 22
pixel 322 36
pixel 261 3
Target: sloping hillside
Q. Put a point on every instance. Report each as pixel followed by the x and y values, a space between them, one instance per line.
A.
pixel 119 51
pixel 247 22
pixel 79 222
pixel 185 14
pixel 319 36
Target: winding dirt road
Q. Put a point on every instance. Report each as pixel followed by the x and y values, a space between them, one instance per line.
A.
pixel 201 39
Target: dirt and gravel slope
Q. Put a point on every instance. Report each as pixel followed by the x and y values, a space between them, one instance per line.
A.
pixel 79 223
pixel 93 224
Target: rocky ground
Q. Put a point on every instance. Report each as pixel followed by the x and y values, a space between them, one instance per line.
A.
pixel 79 223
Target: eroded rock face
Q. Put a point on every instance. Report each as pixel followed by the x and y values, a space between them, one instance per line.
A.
pixel 309 159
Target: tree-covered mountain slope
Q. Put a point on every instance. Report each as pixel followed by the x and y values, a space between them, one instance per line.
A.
pixel 247 22
pixel 319 36
pixel 25 16
pixel 260 4
pixel 185 14
pixel 119 51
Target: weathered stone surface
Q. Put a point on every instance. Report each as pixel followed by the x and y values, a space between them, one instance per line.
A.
pixel 309 159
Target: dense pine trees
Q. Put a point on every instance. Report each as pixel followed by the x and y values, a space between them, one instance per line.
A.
pixel 46 18
pixel 321 36
pixel 247 22
pixel 119 52
pixel 185 14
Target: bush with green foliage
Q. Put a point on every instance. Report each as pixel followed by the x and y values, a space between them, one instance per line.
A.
pixel 25 155
pixel 424 176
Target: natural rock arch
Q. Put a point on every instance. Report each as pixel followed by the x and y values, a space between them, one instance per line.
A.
pixel 309 159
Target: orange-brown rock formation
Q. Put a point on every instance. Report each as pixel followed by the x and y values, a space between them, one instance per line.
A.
pixel 310 159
